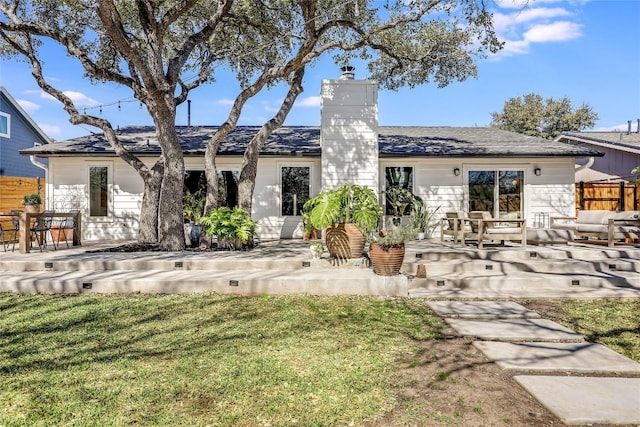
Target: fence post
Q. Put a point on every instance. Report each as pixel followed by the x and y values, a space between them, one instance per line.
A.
pixel 581 195
pixel 621 197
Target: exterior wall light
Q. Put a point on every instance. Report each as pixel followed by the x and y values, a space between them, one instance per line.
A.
pixel 456 171
pixel 537 171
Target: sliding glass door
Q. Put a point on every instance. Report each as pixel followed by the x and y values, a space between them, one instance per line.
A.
pixel 497 191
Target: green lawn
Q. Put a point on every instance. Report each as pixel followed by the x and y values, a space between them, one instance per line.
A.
pixel 225 360
pixel 196 360
pixel 614 323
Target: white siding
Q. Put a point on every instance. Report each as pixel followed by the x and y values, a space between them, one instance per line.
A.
pixel 67 189
pixel 349 133
pixel 552 193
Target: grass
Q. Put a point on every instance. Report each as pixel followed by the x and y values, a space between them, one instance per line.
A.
pixel 241 361
pixel 614 323
pixel 195 360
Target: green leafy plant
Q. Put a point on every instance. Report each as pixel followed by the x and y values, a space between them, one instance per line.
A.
pixel 394 236
pixel 350 203
pixel 31 199
pixel 193 206
pixel 421 216
pixel 233 227
pixel 400 199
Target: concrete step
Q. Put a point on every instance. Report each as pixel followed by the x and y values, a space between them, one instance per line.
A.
pixel 588 252
pixel 306 281
pixel 572 266
pixel 528 279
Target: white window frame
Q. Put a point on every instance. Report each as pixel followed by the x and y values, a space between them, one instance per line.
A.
pixel 383 178
pixel 6 134
pixel 497 167
pixel 281 165
pixel 110 192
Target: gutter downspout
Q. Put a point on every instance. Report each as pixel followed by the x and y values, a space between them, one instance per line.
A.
pixel 586 165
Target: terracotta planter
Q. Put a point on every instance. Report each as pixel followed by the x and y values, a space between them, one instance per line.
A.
pixel 386 261
pixel 344 241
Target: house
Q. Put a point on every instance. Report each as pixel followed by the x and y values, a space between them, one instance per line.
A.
pixel 621 155
pixel 17 132
pixel 453 168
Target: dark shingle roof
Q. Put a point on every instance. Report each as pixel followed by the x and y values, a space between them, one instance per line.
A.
pixel 616 140
pixel 304 140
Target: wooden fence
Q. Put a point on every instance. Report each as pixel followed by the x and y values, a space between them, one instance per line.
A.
pixel 610 196
pixel 13 189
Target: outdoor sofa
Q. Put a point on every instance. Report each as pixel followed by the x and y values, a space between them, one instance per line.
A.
pixel 601 224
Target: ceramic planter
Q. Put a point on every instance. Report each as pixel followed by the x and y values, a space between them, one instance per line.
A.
pixel 344 241
pixel 386 261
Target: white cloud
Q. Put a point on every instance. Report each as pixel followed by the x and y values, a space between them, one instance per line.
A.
pixel 50 129
pixel 558 31
pixel 78 98
pixel 520 4
pixel 28 106
pixel 533 25
pixel 225 101
pixel 310 101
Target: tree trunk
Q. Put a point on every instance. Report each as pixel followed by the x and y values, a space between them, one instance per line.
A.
pixel 170 221
pixel 148 228
pixel 247 182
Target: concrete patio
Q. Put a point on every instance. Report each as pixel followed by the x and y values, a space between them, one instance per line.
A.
pixel 575 270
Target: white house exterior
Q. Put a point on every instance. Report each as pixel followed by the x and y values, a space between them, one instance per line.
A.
pixel 448 167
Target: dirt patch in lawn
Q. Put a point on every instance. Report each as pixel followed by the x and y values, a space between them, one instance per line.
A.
pixel 452 383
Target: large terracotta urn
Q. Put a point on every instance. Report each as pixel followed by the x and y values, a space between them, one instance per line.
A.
pixel 344 240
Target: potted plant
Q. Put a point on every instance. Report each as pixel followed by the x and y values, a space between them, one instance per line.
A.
pixel 316 249
pixel 347 214
pixel 386 250
pixel 234 228
pixel 421 218
pixel 192 210
pixel 32 202
pixel 309 232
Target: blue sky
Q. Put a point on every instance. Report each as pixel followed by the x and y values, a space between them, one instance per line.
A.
pixel 587 50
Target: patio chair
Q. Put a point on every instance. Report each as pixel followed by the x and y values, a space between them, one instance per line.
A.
pixel 452 225
pixel 68 223
pixel 40 229
pixel 12 230
pixel 486 228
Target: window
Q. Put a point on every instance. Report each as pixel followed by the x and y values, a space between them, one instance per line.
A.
pixel 98 191
pixel 398 189
pixel 195 182
pixel 295 189
pixel 5 125
pixel 498 192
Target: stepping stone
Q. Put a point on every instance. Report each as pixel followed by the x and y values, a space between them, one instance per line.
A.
pixel 482 309
pixel 567 357
pixel 587 400
pixel 514 330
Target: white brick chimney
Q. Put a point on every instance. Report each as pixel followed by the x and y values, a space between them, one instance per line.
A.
pixel 349 131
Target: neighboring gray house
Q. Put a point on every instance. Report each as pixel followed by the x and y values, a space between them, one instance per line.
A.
pixel 17 132
pixel 621 154
pixel 453 168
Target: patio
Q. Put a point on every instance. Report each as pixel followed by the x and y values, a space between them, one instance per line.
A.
pixel 574 270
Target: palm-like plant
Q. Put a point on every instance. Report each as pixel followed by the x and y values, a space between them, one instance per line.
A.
pixel 232 226
pixel 350 203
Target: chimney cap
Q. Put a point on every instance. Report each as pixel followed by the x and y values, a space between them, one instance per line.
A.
pixel 347 72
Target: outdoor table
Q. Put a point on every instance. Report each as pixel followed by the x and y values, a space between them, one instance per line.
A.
pixel 26 218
